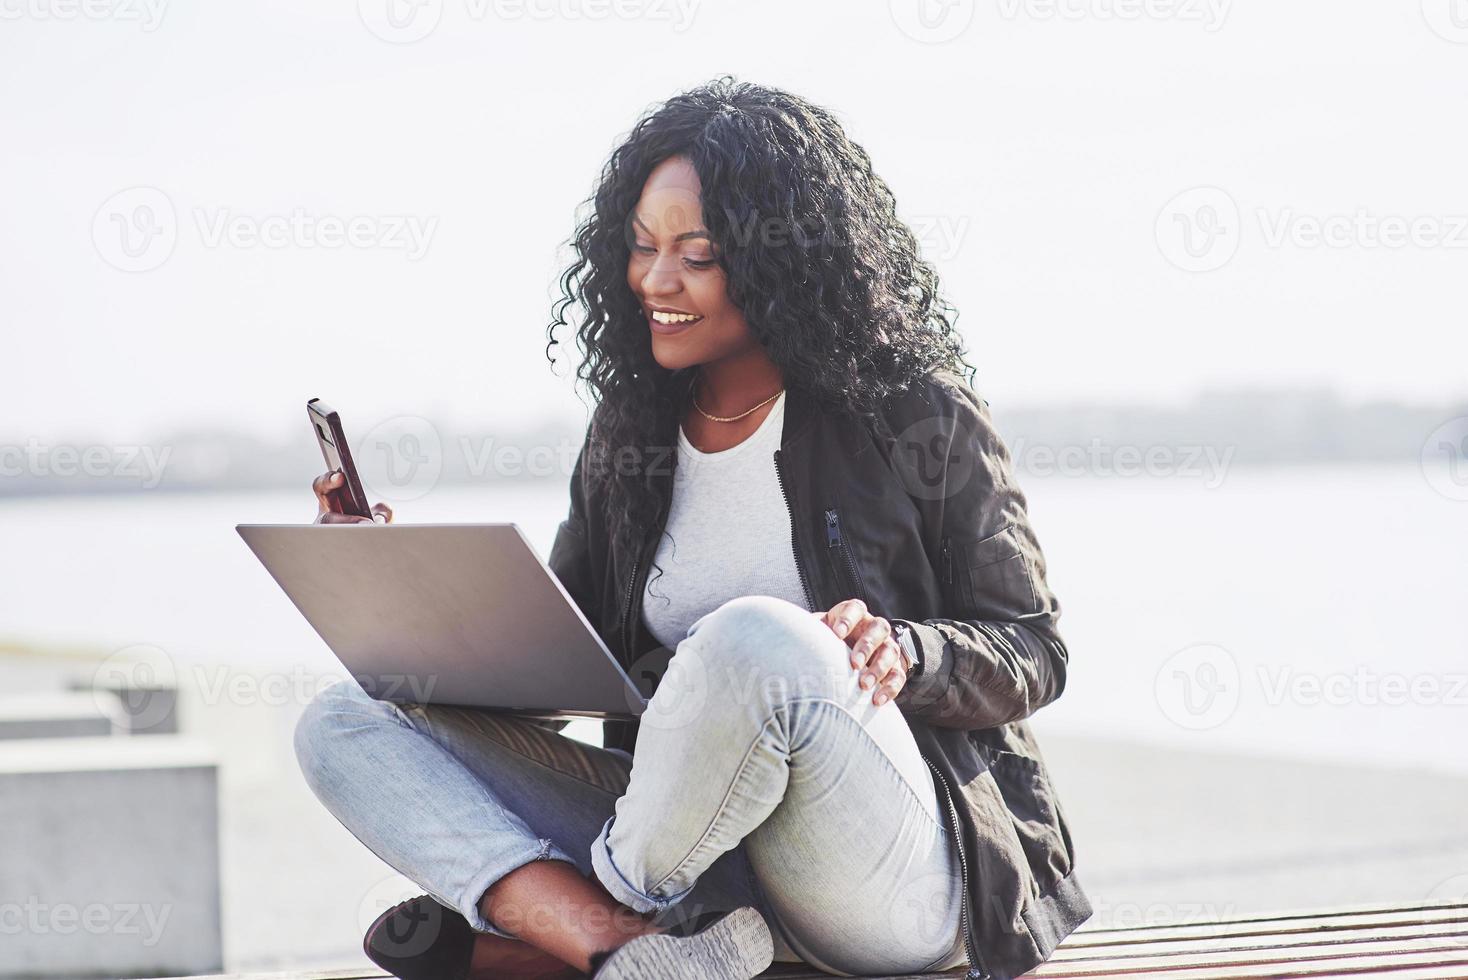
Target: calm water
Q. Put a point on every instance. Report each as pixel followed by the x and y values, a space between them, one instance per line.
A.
pixel 1315 612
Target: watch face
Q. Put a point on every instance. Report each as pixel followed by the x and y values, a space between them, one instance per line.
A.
pixel 908 646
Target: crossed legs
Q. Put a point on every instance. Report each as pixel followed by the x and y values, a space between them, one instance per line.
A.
pixel 762 775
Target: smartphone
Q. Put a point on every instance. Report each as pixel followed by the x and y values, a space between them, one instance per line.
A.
pixel 333 441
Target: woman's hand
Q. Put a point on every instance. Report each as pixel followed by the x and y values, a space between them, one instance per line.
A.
pixel 874 651
pixel 329 488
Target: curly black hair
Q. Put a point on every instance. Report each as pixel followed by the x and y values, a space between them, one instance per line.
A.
pixel 828 278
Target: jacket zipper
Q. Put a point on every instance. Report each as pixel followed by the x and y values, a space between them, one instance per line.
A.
pixel 976 969
pixel 810 602
pixel 833 540
pixel 947 570
pixel 627 612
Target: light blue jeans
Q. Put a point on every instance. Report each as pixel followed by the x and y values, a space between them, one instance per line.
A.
pixel 762 775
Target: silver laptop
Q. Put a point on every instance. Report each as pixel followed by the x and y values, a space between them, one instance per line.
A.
pixel 464 614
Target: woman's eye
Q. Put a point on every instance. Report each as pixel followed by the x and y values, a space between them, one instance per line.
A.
pixel 692 263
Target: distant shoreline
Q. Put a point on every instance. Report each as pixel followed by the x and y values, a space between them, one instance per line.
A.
pixel 101 489
pixel 1217 430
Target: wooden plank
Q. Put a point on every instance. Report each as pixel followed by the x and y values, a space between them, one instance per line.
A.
pixel 1386 966
pixel 1374 952
pixel 1366 915
pixel 1118 950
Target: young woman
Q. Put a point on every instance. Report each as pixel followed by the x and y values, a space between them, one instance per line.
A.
pixel 849 615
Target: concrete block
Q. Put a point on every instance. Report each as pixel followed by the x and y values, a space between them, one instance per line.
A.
pixel 60 714
pixel 109 858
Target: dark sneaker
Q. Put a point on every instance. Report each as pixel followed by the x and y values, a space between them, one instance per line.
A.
pixel 421 939
pixel 714 946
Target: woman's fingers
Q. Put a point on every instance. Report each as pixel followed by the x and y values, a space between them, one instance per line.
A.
pixel 874 650
pixel 844 616
pixel 325 487
pixel 878 663
pixel 332 517
pixel 891 683
pixel 328 488
pixel 866 638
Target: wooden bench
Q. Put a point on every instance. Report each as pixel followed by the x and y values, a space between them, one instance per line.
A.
pixel 1420 942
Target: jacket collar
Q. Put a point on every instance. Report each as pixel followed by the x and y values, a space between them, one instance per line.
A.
pixel 801 413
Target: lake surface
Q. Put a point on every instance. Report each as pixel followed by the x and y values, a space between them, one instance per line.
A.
pixel 1313 612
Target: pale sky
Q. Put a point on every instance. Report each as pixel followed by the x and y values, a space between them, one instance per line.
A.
pixel 1039 152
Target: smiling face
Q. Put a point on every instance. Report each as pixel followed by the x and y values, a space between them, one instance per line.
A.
pixel 674 272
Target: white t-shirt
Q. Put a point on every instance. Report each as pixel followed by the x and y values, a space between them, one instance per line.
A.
pixel 730 533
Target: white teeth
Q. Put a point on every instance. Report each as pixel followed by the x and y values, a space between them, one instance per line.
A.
pixel 662 317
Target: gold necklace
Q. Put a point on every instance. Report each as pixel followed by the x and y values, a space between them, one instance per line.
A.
pixel 732 418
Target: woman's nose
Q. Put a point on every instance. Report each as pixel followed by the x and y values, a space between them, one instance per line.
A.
pixel 661 279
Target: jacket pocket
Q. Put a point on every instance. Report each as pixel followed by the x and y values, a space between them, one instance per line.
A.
pixel 990 578
pixel 1032 806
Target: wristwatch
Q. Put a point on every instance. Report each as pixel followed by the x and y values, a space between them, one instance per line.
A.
pixel 902 633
